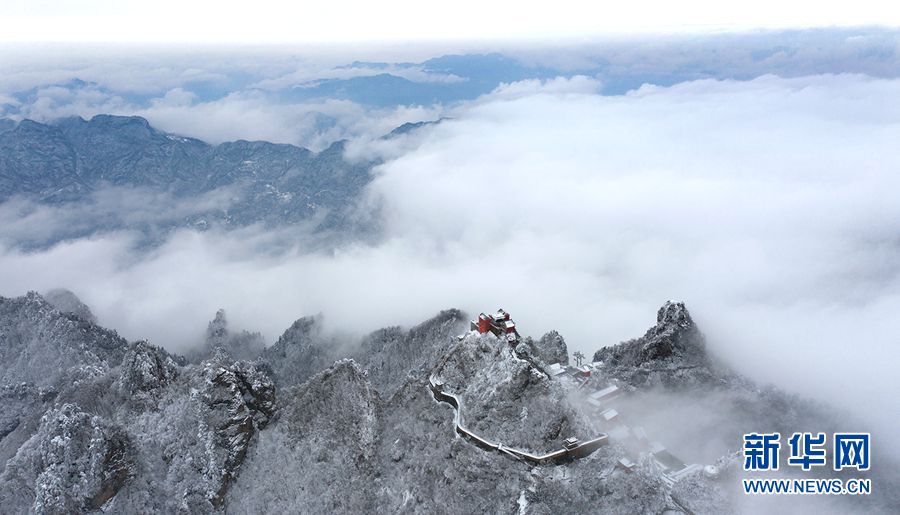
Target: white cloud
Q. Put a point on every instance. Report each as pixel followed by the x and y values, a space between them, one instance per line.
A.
pixel 27 223
pixel 253 116
pixel 54 102
pixel 310 76
pixel 558 85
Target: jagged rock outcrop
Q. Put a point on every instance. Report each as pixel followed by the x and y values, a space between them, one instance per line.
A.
pixel 671 353
pixel 41 345
pixel 392 355
pixel 153 433
pixel 242 345
pixel 551 348
pixel 674 335
pixel 301 351
pixel 67 302
pixel 145 368
pixel 237 401
pixel 76 462
pixel 388 355
pixel 195 438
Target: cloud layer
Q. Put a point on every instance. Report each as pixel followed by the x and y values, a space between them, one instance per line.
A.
pixel 311 95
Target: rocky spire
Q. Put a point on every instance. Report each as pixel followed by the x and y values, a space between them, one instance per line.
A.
pixel 665 351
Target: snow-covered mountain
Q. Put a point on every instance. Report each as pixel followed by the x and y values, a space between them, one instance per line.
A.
pixel 316 424
pixel 119 172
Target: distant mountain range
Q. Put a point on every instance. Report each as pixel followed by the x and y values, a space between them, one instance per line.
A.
pixel 244 182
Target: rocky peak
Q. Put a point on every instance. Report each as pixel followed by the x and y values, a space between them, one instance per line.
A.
pixel 242 345
pixel 40 344
pixel 303 331
pixel 392 355
pixel 217 330
pixel 668 349
pixel 111 129
pixel 674 335
pixel 674 314
pixel 551 348
pixel 67 302
pixel 119 122
pixel 145 368
pixel 237 401
pixel 301 351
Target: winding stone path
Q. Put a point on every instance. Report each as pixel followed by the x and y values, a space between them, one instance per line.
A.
pixel 552 458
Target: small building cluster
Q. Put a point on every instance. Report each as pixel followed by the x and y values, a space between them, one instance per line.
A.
pixel 558 371
pixel 499 323
pixel 634 439
pixel 600 398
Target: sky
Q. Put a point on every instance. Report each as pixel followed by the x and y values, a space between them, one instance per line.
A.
pixel 278 21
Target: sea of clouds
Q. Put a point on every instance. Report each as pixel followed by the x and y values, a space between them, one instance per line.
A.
pixel 769 206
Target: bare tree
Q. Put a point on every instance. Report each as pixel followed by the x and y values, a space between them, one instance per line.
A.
pixel 579 357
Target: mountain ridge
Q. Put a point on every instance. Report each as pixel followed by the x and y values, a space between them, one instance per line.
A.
pixel 335 427
pixel 72 160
